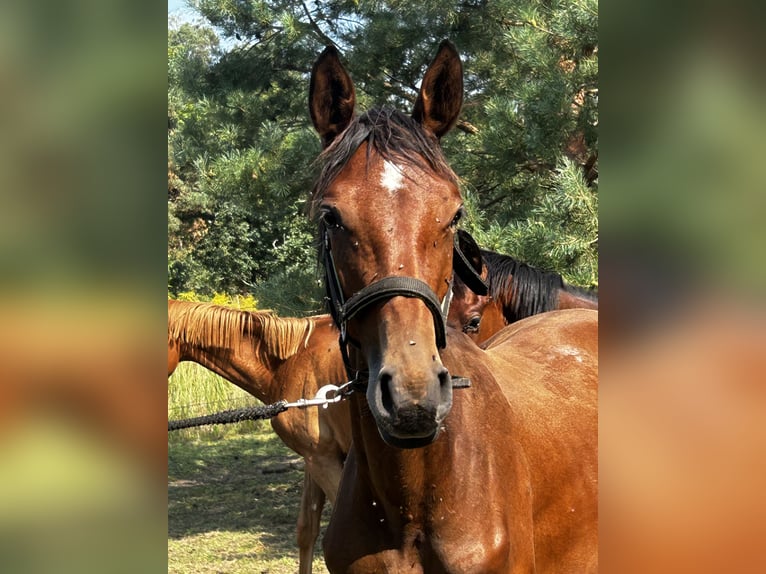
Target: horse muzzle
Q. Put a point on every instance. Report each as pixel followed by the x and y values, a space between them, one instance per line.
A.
pixel 409 414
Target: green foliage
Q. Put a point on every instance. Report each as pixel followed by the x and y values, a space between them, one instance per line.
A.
pixel 194 391
pixel 241 148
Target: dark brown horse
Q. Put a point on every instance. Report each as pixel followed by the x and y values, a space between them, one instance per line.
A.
pixel 500 477
pixel 276 358
pixel 516 291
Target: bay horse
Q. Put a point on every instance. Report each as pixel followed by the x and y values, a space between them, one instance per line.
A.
pixel 500 477
pixel 516 291
pixel 275 358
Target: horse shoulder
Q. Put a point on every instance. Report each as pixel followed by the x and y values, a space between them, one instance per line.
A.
pixel 491 477
pixel 547 368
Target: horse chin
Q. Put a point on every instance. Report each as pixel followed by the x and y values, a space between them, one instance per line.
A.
pixel 408 442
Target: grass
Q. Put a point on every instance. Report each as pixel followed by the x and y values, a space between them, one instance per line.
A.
pixel 233 490
pixel 195 391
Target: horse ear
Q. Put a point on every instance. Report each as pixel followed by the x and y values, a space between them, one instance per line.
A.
pixel 441 92
pixel 331 96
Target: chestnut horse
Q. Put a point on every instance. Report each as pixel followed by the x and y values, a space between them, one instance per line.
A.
pixel 276 358
pixel 502 477
pixel 265 355
pixel 516 291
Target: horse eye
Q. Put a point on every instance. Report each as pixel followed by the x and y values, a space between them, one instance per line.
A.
pixel 457 217
pixel 330 218
pixel 472 326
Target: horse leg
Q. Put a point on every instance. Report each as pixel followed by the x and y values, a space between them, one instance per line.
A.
pixel 326 472
pixel 312 502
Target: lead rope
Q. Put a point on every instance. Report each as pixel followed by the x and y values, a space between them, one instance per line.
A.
pixel 325 396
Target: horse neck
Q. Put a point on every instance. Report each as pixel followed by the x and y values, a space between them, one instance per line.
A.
pixel 239 364
pixel 406 480
pixel 522 290
pixel 316 363
pixel 393 478
pixel 492 320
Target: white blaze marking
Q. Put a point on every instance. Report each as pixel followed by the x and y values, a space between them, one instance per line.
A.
pixel 391 178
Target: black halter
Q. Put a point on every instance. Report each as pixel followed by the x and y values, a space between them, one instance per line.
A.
pixel 343 310
pixel 466 267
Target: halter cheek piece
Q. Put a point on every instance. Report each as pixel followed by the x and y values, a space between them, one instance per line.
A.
pixel 342 310
pixel 463 266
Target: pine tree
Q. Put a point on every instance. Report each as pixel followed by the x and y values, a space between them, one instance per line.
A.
pixel 242 149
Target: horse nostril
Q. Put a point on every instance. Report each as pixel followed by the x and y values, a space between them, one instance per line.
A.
pixel 445 381
pixel 384 380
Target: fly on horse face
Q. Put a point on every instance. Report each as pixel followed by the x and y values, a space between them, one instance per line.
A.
pixel 498 477
pixel 276 358
pixel 516 291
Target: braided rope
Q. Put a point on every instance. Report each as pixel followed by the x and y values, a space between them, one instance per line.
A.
pixel 232 416
pixel 272 410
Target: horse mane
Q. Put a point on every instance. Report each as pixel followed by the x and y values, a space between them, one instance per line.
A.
pixel 522 289
pixel 393 135
pixel 214 326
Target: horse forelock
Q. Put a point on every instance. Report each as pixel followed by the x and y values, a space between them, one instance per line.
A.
pixel 213 326
pixel 394 136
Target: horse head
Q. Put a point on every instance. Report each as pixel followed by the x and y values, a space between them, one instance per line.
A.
pixel 388 206
pixel 470 297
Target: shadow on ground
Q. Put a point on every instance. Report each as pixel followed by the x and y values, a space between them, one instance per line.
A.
pixel 250 483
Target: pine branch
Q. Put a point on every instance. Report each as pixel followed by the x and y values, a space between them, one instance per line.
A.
pixel 533 166
pixel 486 205
pixel 531 23
pixel 314 26
pixel 467 127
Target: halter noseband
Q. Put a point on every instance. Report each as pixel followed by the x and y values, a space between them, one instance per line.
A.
pixel 343 310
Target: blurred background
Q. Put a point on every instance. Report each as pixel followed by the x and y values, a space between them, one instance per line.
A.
pixel 682 325
pixel 82 267
pixel 84 273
